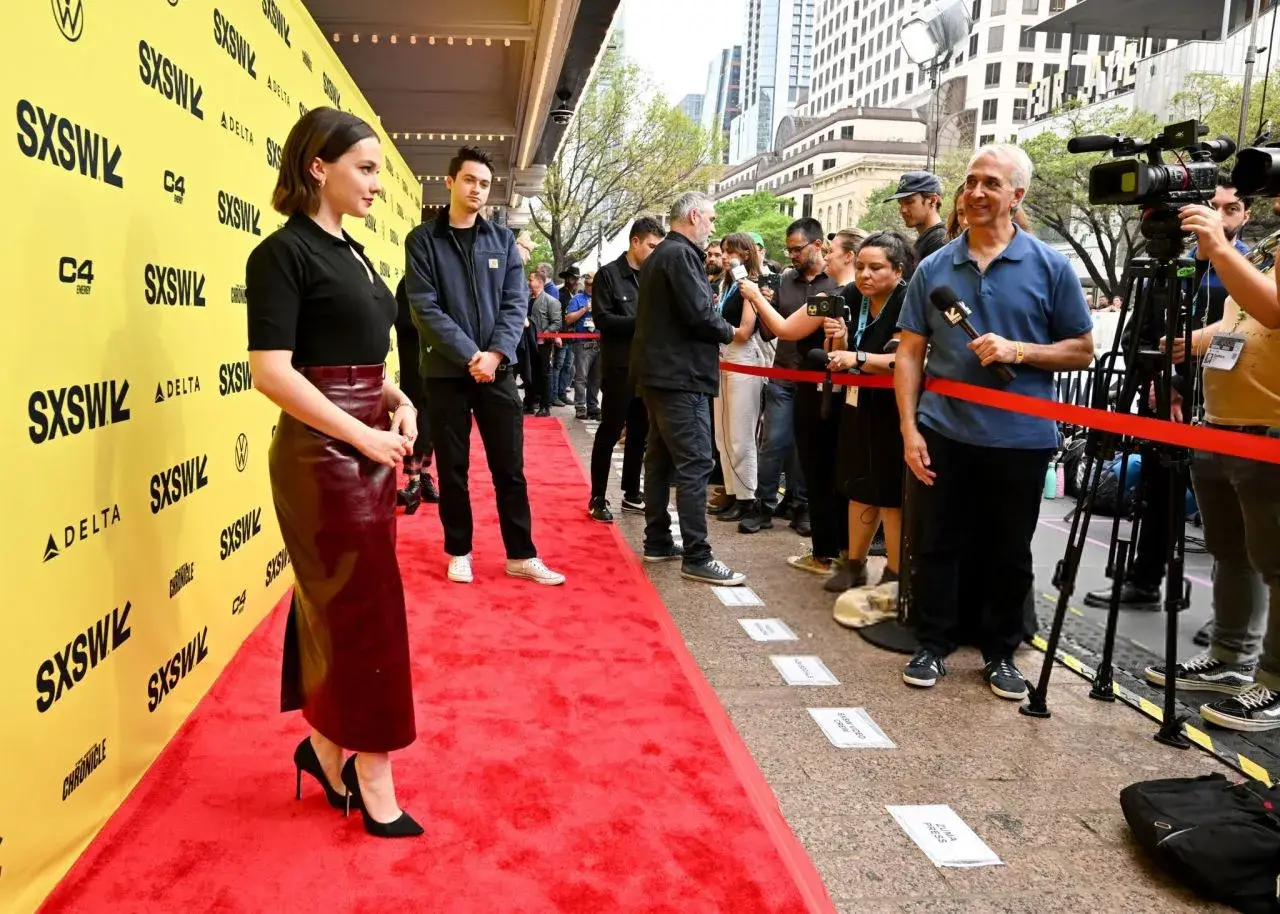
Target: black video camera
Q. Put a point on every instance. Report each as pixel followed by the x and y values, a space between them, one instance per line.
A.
pixel 827 306
pixel 1133 182
pixel 1257 171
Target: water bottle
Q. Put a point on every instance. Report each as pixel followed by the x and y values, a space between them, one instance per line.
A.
pixel 1062 481
pixel 1050 482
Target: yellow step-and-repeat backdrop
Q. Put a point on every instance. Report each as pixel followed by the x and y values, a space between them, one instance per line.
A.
pixel 139 541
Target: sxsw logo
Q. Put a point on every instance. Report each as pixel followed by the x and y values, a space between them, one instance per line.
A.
pixel 167 676
pixel 182 480
pixel 68 667
pixel 67 411
pixel 49 137
pixel 177 387
pixel 238 532
pixel 278 22
pixel 173 286
pixel 175 184
pixel 331 90
pixel 236 213
pixel 84 528
pixel 236 45
pixel 371 223
pixel 69 15
pixel 232 124
pixel 171 81
pixel 275 153
pixel 234 378
pixel 76 272
pixel 276 566
pixel 181 578
pixel 242 452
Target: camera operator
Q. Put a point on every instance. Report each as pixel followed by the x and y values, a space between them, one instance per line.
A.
pixel 1142 585
pixel 1239 499
pixel 982 469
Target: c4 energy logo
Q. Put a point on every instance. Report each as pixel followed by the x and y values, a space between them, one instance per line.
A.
pixel 238 602
pixel 234 378
pixel 69 14
pixel 238 532
pixel 69 411
pixel 166 678
pixel 81 530
pixel 171 81
pixel 277 20
pixel 86 766
pixel 181 578
pixel 242 452
pixel 237 47
pixel 76 272
pixel 169 389
pixel 236 213
pixel 182 480
pixel 48 137
pixel 68 667
pixel 175 184
pixel 174 286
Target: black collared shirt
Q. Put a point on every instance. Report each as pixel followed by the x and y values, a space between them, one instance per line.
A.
pixel 930 240
pixel 793 293
pixel 318 296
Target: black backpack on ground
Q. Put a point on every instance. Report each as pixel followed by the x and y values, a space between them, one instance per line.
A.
pixel 1218 838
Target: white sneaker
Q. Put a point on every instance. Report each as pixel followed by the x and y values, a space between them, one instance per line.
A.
pixel 534 570
pixel 460 569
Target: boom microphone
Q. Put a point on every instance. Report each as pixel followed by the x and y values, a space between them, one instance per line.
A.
pixel 819 359
pixel 1092 143
pixel 956 313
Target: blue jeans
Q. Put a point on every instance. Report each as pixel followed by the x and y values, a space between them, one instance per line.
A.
pixel 559 370
pixel 777 445
pixel 677 453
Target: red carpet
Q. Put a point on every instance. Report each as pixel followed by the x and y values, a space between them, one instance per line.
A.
pixel 569 758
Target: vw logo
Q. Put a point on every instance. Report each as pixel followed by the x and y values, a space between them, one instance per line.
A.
pixel 242 452
pixel 69 14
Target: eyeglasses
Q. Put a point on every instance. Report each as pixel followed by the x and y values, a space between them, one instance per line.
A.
pixel 797 250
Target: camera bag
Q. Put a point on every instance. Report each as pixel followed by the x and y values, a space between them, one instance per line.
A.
pixel 1220 839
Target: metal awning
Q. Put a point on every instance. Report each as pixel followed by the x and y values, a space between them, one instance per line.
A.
pixel 1181 20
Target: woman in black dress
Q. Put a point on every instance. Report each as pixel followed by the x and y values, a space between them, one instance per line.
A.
pixel 319 332
pixel 870 445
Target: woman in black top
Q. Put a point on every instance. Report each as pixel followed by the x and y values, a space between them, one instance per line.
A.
pixel 319 331
pixel 870 446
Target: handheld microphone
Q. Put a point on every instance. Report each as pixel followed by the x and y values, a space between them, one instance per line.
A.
pixel 819 359
pixel 956 313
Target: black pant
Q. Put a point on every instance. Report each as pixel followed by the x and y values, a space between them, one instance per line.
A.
pixel 818 445
pixel 621 408
pixel 411 384
pixel 1148 569
pixel 972 548
pixel 678 451
pixel 450 403
pixel 533 370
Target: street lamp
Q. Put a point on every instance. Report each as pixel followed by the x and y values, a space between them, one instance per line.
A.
pixel 927 38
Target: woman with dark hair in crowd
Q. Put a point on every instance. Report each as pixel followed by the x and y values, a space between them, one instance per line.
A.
pixel 320 323
pixel 870 445
pixel 957 223
pixel 736 411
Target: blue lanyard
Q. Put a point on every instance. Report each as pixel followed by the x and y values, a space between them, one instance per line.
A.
pixel 862 320
pixel 726 295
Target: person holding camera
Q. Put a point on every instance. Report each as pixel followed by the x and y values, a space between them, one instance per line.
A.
pixel 870 444
pixel 1239 499
pixel 981 470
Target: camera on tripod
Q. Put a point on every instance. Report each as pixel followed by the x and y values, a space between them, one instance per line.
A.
pixel 1160 186
pixel 1257 171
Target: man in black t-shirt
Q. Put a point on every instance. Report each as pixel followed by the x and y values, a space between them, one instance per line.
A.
pixel 467 292
pixel 919 197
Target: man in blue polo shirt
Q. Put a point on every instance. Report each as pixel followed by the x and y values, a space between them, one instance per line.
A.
pixel 982 469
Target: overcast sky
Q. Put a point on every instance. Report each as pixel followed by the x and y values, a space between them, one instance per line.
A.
pixel 675 39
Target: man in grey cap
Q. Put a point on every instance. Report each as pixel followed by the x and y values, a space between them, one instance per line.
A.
pixel 919 199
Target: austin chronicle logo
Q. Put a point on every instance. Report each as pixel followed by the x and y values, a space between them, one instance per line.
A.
pixel 242 452
pixel 69 14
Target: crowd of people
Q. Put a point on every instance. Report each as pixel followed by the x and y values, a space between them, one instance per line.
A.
pixel 661 330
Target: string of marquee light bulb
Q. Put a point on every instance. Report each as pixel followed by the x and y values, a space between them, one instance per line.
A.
pixel 394 38
pixel 438 179
pixel 445 137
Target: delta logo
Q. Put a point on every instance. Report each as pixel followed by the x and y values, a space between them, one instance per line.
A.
pixel 234 125
pixel 182 480
pixel 66 411
pixel 159 72
pixel 85 652
pixel 50 137
pixel 172 388
pixel 84 528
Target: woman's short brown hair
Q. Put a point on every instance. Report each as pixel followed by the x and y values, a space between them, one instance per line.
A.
pixel 324 133
pixel 744 246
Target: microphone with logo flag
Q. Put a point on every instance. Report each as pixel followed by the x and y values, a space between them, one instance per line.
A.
pixel 819 360
pixel 957 313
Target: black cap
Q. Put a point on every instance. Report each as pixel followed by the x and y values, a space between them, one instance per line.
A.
pixel 917 182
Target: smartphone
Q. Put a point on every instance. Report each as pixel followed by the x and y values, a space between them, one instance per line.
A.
pixel 825 306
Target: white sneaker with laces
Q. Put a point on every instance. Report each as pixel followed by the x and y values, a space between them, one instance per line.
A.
pixel 534 570
pixel 460 569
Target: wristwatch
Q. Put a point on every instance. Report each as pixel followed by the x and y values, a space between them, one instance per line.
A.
pixel 860 359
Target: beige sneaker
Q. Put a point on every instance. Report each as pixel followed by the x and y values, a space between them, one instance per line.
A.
pixel 534 570
pixel 807 562
pixel 460 569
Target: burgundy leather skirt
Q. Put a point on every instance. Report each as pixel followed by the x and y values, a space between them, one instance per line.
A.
pixel 346 651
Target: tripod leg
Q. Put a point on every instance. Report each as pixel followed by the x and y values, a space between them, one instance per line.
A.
pixel 1171 733
pixel 1122 549
pixel 1065 579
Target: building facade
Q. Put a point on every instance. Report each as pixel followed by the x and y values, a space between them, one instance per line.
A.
pixel 721 103
pixel 777 54
pixel 691 105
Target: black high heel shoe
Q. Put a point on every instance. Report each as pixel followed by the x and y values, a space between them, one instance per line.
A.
pixel 408 497
pixel 305 759
pixel 403 827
